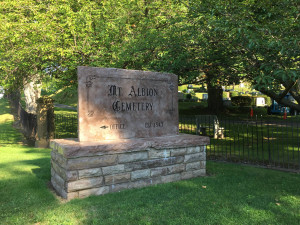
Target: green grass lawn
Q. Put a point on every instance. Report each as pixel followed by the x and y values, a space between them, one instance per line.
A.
pixel 231 194
pixel 64 112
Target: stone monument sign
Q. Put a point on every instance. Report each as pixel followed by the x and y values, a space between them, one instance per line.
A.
pixel 123 104
pixel 128 136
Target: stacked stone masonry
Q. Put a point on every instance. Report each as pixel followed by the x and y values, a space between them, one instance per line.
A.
pixel 81 169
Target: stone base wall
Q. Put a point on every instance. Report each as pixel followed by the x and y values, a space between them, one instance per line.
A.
pixel 79 171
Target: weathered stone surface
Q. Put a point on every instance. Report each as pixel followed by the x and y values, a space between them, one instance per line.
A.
pixel 122 104
pixel 140 174
pixel 198 173
pixel 59 170
pixel 140 183
pixel 178 151
pixel 179 141
pixel 118 187
pixel 117 178
pixel 187 175
pixel 193 173
pixel 63 173
pixel 128 135
pixel 170 178
pixel 58 188
pixel 203 164
pixel 59 181
pixel 162 153
pixel 84 184
pixel 162 171
pixel 113 169
pixel 93 191
pixel 196 149
pixel 72 148
pixel 194 157
pixel 153 163
pixel 132 157
pixel 193 166
pixel 72 195
pixel 59 159
pixel 95 172
pixel 71 175
pixel 91 162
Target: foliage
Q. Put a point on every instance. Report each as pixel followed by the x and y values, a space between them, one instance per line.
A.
pixel 8 135
pixel 266 34
pixel 226 95
pixel 189 96
pixel 216 42
pixel 268 100
pixel 241 101
pixel 67 95
pixel 234 94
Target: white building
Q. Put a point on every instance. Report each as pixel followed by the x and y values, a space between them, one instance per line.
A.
pixel 1 92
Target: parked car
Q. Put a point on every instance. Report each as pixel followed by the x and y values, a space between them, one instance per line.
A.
pixel 277 108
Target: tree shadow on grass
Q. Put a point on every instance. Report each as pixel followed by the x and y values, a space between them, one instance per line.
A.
pixel 39 166
pixel 8 134
pixel 24 189
pixel 234 195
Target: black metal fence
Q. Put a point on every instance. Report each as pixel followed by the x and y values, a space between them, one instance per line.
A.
pixel 257 141
pixel 27 121
pixel 66 126
pixel 273 144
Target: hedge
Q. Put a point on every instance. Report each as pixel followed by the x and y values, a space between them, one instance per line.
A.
pixel 241 100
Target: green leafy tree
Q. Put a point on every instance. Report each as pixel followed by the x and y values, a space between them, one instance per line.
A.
pixel 265 35
pixel 216 42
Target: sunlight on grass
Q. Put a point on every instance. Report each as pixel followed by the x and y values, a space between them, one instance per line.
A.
pixel 231 194
pixel 64 112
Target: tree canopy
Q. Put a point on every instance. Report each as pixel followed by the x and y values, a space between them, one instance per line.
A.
pixel 214 41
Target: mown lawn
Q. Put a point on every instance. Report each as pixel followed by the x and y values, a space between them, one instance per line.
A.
pixel 231 194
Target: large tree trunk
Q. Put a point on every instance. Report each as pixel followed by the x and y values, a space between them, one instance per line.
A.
pixel 283 101
pixel 295 92
pixel 292 87
pixel 32 92
pixel 215 99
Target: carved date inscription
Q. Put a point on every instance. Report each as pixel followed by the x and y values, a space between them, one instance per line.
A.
pixel 154 124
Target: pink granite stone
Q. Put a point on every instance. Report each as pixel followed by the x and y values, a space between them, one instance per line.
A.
pixel 122 104
pixel 72 148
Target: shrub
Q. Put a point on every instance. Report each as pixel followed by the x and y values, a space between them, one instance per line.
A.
pixel 241 101
pixel 260 111
pixel 226 95
pixel 189 96
pixel 253 100
pixel 268 100
pixel 233 94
